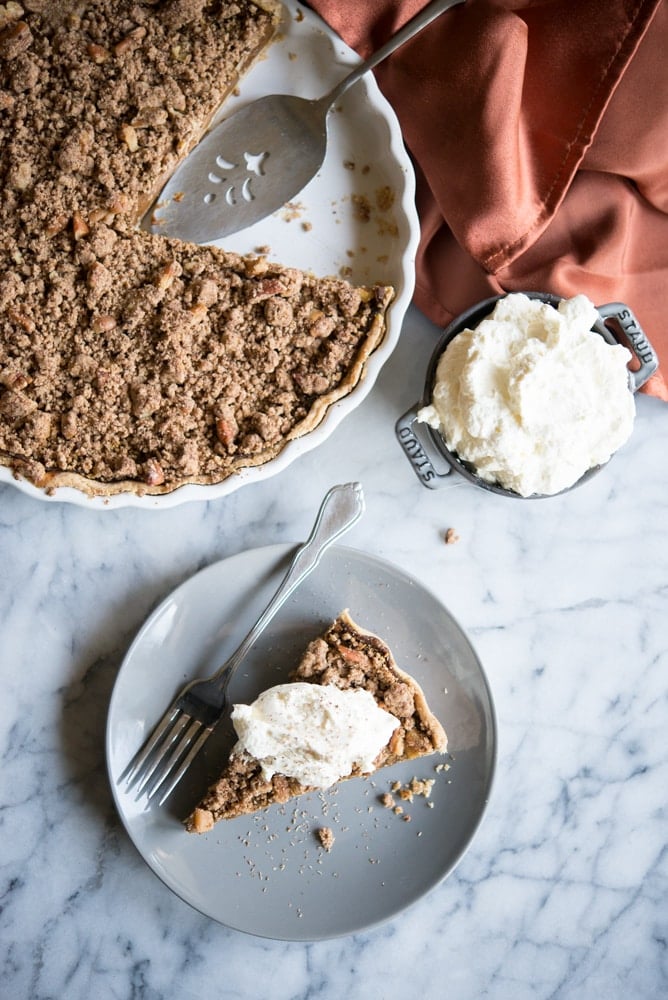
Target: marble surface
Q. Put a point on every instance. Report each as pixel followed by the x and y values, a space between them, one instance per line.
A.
pixel 563 892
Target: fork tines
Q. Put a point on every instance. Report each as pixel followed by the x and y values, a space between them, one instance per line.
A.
pixel 161 762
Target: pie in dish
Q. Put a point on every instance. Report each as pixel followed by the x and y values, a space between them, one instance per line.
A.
pixel 351 659
pixel 131 362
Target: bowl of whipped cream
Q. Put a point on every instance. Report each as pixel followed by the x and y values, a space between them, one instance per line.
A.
pixel 528 394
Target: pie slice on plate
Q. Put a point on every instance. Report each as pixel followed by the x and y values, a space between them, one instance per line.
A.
pixel 348 710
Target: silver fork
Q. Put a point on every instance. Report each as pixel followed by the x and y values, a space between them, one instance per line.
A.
pixel 164 758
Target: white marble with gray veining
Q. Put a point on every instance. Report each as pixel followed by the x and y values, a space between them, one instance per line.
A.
pixel 564 891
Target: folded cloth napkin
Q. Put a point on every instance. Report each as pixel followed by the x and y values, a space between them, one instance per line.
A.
pixel 539 133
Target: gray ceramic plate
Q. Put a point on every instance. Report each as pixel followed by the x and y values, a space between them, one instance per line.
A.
pixel 268 874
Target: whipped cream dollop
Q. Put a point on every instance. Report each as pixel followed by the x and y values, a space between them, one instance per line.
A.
pixel 533 397
pixel 312 732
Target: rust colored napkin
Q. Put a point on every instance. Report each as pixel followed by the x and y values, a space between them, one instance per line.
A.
pixel 539 133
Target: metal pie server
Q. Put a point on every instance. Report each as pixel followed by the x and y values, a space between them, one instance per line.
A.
pixel 261 157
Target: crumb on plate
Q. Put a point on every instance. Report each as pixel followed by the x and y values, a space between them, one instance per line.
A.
pixel 326 837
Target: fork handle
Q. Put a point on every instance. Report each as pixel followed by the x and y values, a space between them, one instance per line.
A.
pixel 342 507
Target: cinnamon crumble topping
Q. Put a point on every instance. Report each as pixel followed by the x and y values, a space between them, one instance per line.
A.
pixel 151 362
pixel 129 361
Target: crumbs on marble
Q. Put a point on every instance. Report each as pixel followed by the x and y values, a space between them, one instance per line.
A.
pixel 451 537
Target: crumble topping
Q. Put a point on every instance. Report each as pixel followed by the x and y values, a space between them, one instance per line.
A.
pixel 102 99
pixel 149 360
pixel 129 361
pixel 350 657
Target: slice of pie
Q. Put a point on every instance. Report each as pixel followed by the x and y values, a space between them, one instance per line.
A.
pixel 355 662
pixel 131 363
